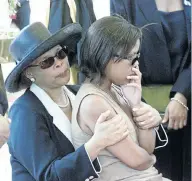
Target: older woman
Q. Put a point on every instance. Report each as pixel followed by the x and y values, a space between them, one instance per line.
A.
pixel 40 141
pixel 109 58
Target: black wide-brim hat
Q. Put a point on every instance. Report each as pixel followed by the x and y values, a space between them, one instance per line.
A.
pixel 32 42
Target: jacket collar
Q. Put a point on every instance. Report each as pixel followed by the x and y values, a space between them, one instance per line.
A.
pixel 60 120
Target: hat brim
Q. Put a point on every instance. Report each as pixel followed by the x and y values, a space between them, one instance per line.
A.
pixel 67 36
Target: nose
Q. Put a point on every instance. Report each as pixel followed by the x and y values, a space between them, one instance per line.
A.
pixel 61 62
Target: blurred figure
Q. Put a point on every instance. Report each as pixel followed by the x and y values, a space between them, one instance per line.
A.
pixel 4 121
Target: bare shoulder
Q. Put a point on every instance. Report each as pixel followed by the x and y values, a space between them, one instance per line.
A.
pixel 92 106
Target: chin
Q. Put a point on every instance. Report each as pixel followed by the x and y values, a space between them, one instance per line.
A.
pixel 120 82
pixel 65 81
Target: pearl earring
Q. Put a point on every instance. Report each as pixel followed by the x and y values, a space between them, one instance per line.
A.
pixel 32 79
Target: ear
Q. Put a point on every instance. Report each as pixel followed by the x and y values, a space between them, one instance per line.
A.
pixel 28 74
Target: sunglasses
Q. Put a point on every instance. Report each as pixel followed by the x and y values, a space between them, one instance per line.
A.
pixel 136 58
pixel 47 63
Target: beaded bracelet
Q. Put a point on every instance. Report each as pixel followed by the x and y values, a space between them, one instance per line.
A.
pixel 180 103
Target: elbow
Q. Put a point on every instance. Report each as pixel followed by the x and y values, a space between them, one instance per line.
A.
pixel 150 150
pixel 143 163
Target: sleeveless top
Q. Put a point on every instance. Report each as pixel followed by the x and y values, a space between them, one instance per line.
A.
pixel 112 168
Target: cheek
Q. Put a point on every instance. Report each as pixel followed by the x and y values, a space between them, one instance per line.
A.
pixel 120 71
pixel 45 77
pixel 123 69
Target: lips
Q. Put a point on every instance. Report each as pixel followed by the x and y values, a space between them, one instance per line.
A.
pixel 63 74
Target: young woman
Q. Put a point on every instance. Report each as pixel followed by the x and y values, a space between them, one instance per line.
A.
pixel 109 58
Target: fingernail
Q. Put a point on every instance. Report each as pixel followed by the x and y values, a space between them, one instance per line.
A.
pixel 135 109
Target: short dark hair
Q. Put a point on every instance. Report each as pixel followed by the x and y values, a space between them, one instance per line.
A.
pixel 107 37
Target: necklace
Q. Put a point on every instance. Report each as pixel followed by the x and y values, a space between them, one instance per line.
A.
pixel 66 104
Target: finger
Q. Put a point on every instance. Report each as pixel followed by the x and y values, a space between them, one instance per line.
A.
pixel 116 119
pixel 176 124
pixel 103 117
pixel 144 124
pixel 149 126
pixel 166 117
pixel 148 123
pixel 143 119
pixel 139 111
pixel 134 85
pixel 185 122
pixel 137 71
pixel 171 123
pixel 133 78
pixel 181 124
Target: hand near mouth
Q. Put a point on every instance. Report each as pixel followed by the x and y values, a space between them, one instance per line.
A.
pixel 132 91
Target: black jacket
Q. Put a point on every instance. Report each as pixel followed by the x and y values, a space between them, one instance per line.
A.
pixel 60 14
pixel 39 151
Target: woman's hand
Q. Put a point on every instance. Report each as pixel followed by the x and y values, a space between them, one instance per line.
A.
pixel 110 131
pixel 176 114
pixel 107 132
pixel 132 91
pixel 146 117
pixel 4 129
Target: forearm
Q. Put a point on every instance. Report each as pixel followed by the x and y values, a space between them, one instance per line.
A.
pixel 147 139
pixel 93 148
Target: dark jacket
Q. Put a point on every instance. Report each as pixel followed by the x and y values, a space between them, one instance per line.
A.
pixel 23 14
pixel 60 14
pixel 155 61
pixel 39 151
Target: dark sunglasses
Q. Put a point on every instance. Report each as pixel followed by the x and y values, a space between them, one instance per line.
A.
pixel 136 58
pixel 47 63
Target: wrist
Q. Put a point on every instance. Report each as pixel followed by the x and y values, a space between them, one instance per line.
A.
pixel 137 106
pixel 181 97
pixel 93 148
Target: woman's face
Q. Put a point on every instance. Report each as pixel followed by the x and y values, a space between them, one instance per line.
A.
pixel 117 72
pixel 54 76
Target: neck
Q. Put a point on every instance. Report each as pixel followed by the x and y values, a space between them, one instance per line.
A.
pixel 106 85
pixel 56 94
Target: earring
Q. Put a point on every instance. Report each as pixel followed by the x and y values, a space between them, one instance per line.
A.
pixel 32 79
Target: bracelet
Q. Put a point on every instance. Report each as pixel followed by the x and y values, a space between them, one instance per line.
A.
pixel 174 99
